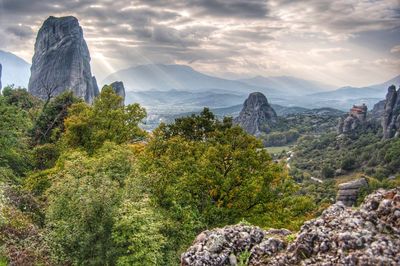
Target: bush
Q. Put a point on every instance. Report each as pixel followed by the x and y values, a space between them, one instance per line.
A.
pixel 348 163
pixel 327 172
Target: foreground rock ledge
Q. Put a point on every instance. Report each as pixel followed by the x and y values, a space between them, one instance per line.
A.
pixel 369 235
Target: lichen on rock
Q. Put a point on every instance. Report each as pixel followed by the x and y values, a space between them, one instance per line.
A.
pixel 369 235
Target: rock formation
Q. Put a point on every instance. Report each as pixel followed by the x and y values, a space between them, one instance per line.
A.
pixel 378 110
pixel 95 86
pixel 348 192
pixel 257 116
pixel 391 115
pixel 61 60
pixel 356 118
pixel 119 89
pixel 369 235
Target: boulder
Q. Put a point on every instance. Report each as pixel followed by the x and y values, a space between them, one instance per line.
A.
pixel 61 61
pixel 257 115
pixel 220 246
pixel 348 192
pixel 369 235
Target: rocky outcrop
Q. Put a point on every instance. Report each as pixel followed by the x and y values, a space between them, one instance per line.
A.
pixel 61 60
pixel 96 90
pixel 348 192
pixel 0 77
pixel 354 120
pixel 378 110
pixel 220 246
pixel 391 115
pixel 119 89
pixel 257 116
pixel 369 235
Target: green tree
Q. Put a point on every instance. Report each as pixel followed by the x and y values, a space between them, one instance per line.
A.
pixel 327 172
pixel 207 173
pixel 82 203
pixel 21 98
pixel 14 151
pixel 89 127
pixel 49 126
pixel 138 227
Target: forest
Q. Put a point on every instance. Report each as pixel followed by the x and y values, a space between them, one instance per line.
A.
pixel 85 185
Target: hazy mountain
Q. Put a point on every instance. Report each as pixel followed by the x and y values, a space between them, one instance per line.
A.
pixel 288 85
pixel 374 91
pixel 188 99
pixel 15 70
pixel 161 77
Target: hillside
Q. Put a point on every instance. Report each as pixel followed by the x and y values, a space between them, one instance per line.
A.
pixel 373 91
pixel 289 85
pixel 15 70
pixel 160 77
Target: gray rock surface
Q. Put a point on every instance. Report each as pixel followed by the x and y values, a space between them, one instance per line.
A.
pixel 391 115
pixel 119 89
pixel 355 119
pixel 257 116
pixel 378 110
pixel 96 90
pixel 221 246
pixel 61 60
pixel 369 235
pixel 348 192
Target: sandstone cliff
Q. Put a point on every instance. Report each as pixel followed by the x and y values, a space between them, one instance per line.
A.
pixel 391 114
pixel 354 120
pixel 61 61
pixel 119 89
pixel 369 235
pixel 257 116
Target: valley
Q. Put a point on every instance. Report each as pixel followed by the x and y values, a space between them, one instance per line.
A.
pixel 181 134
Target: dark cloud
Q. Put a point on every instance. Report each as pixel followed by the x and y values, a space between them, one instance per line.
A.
pixel 231 35
pixel 20 31
pixel 232 8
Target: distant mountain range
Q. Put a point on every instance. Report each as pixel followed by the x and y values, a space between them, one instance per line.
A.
pixel 288 85
pixel 15 70
pixel 180 88
pixel 155 98
pixel 159 77
pixel 373 91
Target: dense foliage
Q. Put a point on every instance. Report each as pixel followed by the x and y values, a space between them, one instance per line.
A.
pixel 85 185
pixel 289 128
pixel 329 155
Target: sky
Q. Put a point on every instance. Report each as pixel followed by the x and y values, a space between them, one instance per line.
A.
pixel 341 42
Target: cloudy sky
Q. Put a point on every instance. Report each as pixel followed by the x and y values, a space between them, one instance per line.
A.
pixel 340 42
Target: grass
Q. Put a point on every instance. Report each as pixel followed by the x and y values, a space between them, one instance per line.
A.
pixel 278 149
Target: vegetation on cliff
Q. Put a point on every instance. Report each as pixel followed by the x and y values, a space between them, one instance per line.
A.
pixel 83 184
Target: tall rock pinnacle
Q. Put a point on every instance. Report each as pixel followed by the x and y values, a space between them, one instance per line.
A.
pixel 257 116
pixel 391 114
pixel 119 89
pixel 61 61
